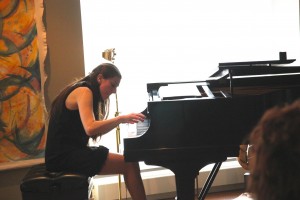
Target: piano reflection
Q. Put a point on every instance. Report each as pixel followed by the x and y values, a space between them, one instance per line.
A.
pixel 189 131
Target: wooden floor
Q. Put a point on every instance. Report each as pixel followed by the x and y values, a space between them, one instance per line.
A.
pixel 224 195
pixel 228 195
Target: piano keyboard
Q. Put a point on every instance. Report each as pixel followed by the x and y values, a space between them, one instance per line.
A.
pixel 142 127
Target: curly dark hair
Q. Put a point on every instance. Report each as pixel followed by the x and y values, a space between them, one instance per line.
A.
pixel 276 142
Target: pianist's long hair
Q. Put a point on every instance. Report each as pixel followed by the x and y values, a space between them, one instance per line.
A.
pixel 100 107
pixel 276 142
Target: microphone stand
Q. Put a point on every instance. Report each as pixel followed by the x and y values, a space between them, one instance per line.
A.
pixel 118 140
pixel 109 55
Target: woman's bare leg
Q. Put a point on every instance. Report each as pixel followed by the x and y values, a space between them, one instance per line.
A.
pixel 115 164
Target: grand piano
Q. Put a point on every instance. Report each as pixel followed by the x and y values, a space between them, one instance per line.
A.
pixel 186 132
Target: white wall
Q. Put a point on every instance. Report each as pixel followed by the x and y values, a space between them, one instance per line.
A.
pixel 161 182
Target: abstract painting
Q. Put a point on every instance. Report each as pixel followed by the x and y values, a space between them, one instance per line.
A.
pixel 22 53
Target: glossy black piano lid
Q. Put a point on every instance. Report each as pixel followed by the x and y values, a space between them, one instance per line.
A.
pixel 258 67
pixel 281 61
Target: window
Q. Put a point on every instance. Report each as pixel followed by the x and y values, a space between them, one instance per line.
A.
pixel 176 40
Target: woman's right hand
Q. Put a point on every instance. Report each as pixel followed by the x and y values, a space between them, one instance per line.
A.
pixel 133 118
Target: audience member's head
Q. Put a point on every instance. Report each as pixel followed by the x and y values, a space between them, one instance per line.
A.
pixel 275 144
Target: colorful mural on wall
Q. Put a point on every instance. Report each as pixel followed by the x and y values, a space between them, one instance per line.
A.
pixel 22 109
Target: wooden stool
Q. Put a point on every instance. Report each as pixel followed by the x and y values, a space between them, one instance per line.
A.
pixel 39 184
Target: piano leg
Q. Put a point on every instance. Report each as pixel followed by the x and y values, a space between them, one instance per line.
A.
pixel 209 181
pixel 185 184
pixel 185 174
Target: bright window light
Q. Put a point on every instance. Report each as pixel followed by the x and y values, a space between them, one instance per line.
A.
pixel 176 40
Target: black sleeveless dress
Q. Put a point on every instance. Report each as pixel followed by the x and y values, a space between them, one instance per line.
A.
pixel 67 143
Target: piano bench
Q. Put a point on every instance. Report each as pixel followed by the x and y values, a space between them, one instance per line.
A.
pixel 39 184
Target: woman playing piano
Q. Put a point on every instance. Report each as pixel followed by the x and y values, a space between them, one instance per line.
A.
pixel 80 112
